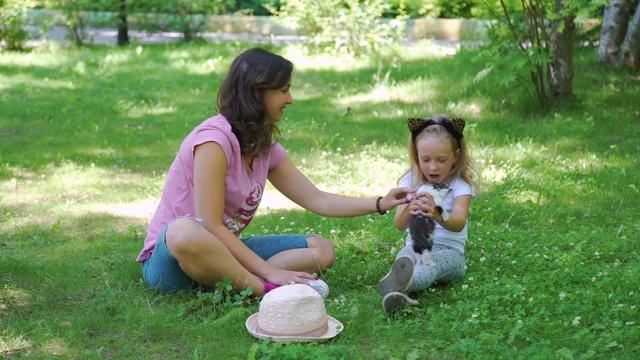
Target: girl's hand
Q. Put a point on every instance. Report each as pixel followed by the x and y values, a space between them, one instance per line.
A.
pixel 287 277
pixel 423 205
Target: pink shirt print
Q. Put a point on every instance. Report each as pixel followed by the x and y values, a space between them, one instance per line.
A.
pixel 243 216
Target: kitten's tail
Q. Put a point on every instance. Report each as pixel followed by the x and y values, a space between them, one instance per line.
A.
pixel 421 230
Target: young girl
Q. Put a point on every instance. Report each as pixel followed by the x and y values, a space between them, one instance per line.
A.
pixel 215 184
pixel 438 155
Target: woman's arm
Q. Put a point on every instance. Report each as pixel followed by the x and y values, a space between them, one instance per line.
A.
pixel 210 170
pixel 288 179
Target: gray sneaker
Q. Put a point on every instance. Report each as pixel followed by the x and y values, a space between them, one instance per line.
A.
pixel 395 301
pixel 399 278
pixel 318 285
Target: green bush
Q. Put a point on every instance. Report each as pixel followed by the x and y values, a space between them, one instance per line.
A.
pixel 521 50
pixel 254 7
pixel 188 16
pixel 73 17
pixel 444 9
pixel 348 26
pixel 14 23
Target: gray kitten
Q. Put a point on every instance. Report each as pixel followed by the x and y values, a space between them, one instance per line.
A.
pixel 421 228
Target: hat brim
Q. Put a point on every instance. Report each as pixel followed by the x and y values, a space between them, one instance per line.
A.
pixel 334 328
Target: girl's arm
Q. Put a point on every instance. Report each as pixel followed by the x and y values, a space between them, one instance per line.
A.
pixel 403 214
pixel 210 170
pixel 299 189
pixel 457 216
pixel 424 205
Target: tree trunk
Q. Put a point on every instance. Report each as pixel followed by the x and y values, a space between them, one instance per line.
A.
pixel 630 54
pixel 613 30
pixel 561 71
pixel 123 25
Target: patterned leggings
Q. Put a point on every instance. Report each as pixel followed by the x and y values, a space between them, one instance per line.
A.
pixel 450 265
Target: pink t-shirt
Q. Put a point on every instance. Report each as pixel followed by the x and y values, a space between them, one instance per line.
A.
pixel 243 189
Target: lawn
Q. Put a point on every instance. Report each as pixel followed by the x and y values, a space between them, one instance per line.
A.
pixel 86 136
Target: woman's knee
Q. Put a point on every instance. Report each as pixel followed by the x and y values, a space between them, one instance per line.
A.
pixel 184 236
pixel 324 251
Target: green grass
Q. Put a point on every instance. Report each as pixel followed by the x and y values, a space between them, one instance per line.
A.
pixel 87 135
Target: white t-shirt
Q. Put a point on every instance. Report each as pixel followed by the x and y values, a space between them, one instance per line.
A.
pixel 441 235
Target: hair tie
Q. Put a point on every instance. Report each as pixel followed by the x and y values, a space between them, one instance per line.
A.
pixel 454 126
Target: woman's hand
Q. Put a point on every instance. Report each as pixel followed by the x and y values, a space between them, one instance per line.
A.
pixel 395 197
pixel 287 277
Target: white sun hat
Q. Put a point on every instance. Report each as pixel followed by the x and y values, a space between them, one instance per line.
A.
pixel 293 313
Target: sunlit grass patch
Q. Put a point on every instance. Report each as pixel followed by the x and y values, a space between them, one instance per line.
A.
pixel 12 344
pixel 64 193
pixel 413 91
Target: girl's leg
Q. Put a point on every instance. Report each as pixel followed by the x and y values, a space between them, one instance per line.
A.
pixel 450 265
pixel 394 285
pixel 399 277
pixel 204 258
pixel 407 251
pixel 407 275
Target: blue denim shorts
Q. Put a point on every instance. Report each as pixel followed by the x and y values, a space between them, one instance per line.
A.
pixel 162 272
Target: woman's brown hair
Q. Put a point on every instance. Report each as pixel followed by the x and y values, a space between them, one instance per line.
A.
pixel 242 94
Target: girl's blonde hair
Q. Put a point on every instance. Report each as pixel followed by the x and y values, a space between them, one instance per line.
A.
pixel 463 167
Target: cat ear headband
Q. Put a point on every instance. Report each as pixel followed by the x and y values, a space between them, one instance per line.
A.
pixel 454 126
